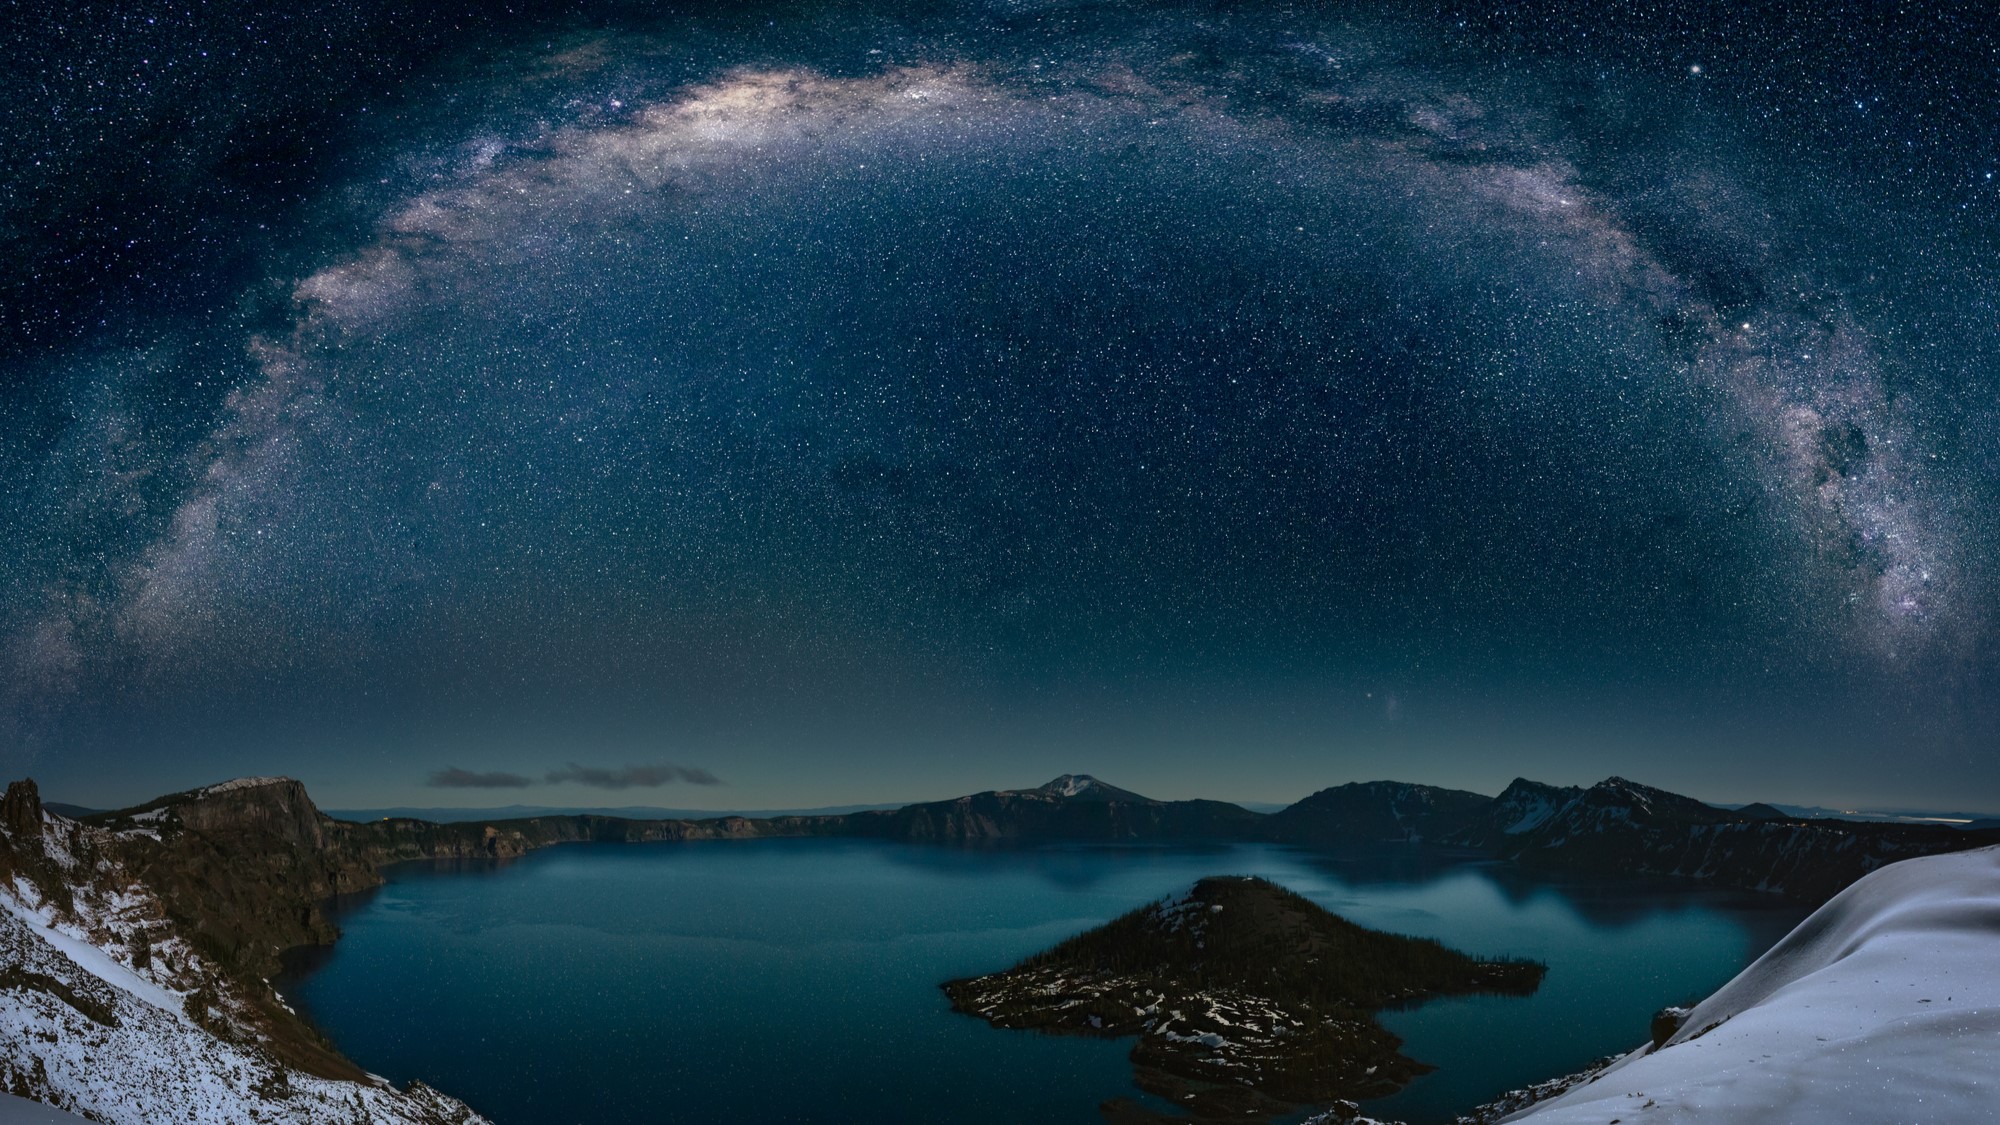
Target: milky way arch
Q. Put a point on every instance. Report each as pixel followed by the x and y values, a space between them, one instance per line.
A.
pixel 1183 343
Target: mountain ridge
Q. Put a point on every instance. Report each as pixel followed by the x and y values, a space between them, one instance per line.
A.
pixel 1615 826
pixel 1376 811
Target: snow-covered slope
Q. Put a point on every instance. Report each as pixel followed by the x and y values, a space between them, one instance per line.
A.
pixel 107 1012
pixel 1884 1006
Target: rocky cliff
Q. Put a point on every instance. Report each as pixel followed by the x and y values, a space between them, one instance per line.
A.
pixel 114 1003
pixel 246 867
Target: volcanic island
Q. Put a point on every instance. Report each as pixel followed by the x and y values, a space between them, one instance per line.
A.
pixel 1247 1000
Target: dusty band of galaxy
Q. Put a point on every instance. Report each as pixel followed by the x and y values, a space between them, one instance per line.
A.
pixel 921 365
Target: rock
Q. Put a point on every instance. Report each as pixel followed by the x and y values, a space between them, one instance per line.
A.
pixel 1666 1022
pixel 21 812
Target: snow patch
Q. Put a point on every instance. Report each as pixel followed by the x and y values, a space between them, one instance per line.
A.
pixel 89 957
pixel 239 783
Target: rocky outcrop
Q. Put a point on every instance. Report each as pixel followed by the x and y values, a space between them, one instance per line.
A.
pixel 244 868
pixel 21 812
pixel 111 1008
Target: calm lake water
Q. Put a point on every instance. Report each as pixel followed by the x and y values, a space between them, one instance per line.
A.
pixel 796 980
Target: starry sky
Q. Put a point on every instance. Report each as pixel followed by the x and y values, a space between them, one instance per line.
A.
pixel 791 404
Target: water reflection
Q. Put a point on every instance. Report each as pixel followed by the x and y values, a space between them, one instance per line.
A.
pixel 797 979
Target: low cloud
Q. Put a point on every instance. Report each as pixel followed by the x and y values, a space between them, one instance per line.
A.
pixel 454 778
pixel 632 777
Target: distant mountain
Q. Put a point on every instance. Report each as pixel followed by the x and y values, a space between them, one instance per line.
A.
pixel 1615 804
pixel 1377 811
pixel 1621 827
pixel 1083 787
pixel 449 815
pixel 1883 816
pixel 1758 810
pixel 1070 786
pixel 1071 807
pixel 1520 808
pixel 1616 826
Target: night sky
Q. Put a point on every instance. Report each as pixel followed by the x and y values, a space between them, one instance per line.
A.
pixel 751 405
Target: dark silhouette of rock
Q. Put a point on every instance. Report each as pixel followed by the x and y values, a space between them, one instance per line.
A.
pixel 21 812
pixel 1246 998
pixel 1377 811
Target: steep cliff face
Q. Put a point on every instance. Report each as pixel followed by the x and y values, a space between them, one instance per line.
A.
pixel 110 1008
pixel 244 867
pixel 276 807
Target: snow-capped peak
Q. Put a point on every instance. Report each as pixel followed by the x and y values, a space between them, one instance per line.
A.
pixel 1083 787
pixel 1070 784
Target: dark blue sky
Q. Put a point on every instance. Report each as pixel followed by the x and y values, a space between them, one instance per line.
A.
pixel 867 402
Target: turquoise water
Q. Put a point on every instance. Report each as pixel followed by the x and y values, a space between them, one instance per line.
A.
pixel 796 980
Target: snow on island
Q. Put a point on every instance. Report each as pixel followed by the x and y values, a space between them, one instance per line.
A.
pixel 1247 1001
pixel 1884 1006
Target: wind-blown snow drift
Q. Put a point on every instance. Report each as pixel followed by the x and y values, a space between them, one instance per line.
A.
pixel 1884 1006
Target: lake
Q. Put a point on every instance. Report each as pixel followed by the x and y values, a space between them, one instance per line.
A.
pixel 796 980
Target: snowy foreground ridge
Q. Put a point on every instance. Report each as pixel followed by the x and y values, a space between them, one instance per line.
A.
pixel 1882 1007
pixel 107 1013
